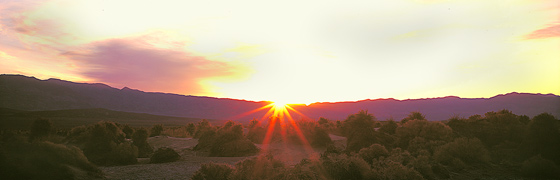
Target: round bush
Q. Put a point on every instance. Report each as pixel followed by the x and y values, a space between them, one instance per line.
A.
pixel 213 171
pixel 163 155
pixel 44 160
pixel 539 167
pixel 373 152
pixel 466 150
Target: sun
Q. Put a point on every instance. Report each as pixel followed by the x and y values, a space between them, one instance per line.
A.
pixel 279 104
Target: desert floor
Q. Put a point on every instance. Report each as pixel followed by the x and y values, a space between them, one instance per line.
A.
pixel 191 160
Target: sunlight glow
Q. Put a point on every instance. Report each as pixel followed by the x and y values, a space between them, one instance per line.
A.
pixel 280 122
pixel 280 105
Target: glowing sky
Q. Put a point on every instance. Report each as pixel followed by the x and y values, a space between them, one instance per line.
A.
pixel 290 51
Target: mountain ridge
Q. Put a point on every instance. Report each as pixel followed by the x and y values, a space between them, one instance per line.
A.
pixel 29 93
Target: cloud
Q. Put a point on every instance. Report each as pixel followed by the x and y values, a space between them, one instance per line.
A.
pixel 138 64
pixel 547 32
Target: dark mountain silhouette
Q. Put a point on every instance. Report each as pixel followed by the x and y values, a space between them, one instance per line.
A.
pixel 28 93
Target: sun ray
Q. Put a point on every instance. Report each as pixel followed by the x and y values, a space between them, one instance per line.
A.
pixel 280 122
pixel 250 112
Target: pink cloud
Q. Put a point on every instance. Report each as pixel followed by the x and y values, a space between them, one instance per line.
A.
pixel 136 64
pixel 548 32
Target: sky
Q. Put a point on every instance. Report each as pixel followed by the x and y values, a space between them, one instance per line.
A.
pixel 289 51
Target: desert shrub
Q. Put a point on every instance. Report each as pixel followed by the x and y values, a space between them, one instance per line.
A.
pixel 256 132
pixel 492 129
pixel 544 137
pixel 506 152
pixel 190 128
pixel 538 167
pixel 418 144
pixel 345 167
pixel 206 140
pixel 163 155
pixel 209 171
pixel 430 131
pixel 415 115
pixel 400 156
pixel 156 130
pixel 77 134
pixel 122 154
pixel 320 137
pixel 234 148
pixel 178 131
pixel 373 152
pixel 360 131
pixel 226 141
pixel 462 150
pixel 140 140
pixel 308 132
pixel 127 130
pixel 104 143
pixel 327 125
pixel 306 169
pixel 202 128
pixel 261 167
pixel 503 126
pixel 386 169
pixel 40 129
pixel 389 127
pixel 423 165
pixel 44 160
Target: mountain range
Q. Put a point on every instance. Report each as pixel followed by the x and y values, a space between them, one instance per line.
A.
pixel 31 94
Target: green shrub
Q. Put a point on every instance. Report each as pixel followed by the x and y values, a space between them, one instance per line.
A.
pixel 140 140
pixel 202 128
pixel 345 167
pixel 415 115
pixel 190 128
pixel 44 160
pixel 373 152
pixel 156 130
pixel 122 154
pixel 210 171
pixel 423 165
pixel 163 155
pixel 544 137
pixel 466 150
pixel 389 127
pixel 234 148
pixel 127 130
pixel 400 156
pixel 303 170
pixel 538 167
pixel 430 131
pixel 320 137
pixel 360 131
pixel 261 167
pixel 104 144
pixel 386 169
pixel 227 141
pixel 256 133
pixel 418 144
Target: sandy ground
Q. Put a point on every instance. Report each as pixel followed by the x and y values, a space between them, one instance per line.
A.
pixel 191 160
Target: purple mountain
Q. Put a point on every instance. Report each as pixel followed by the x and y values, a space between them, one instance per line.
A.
pixel 28 93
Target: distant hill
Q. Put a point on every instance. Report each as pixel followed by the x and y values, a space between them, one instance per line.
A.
pixel 19 92
pixel 19 119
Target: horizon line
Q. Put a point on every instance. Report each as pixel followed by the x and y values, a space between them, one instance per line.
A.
pixel 261 101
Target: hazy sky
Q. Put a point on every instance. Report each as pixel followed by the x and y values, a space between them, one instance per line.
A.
pixel 291 51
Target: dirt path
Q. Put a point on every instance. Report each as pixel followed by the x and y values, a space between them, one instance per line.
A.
pixel 190 160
